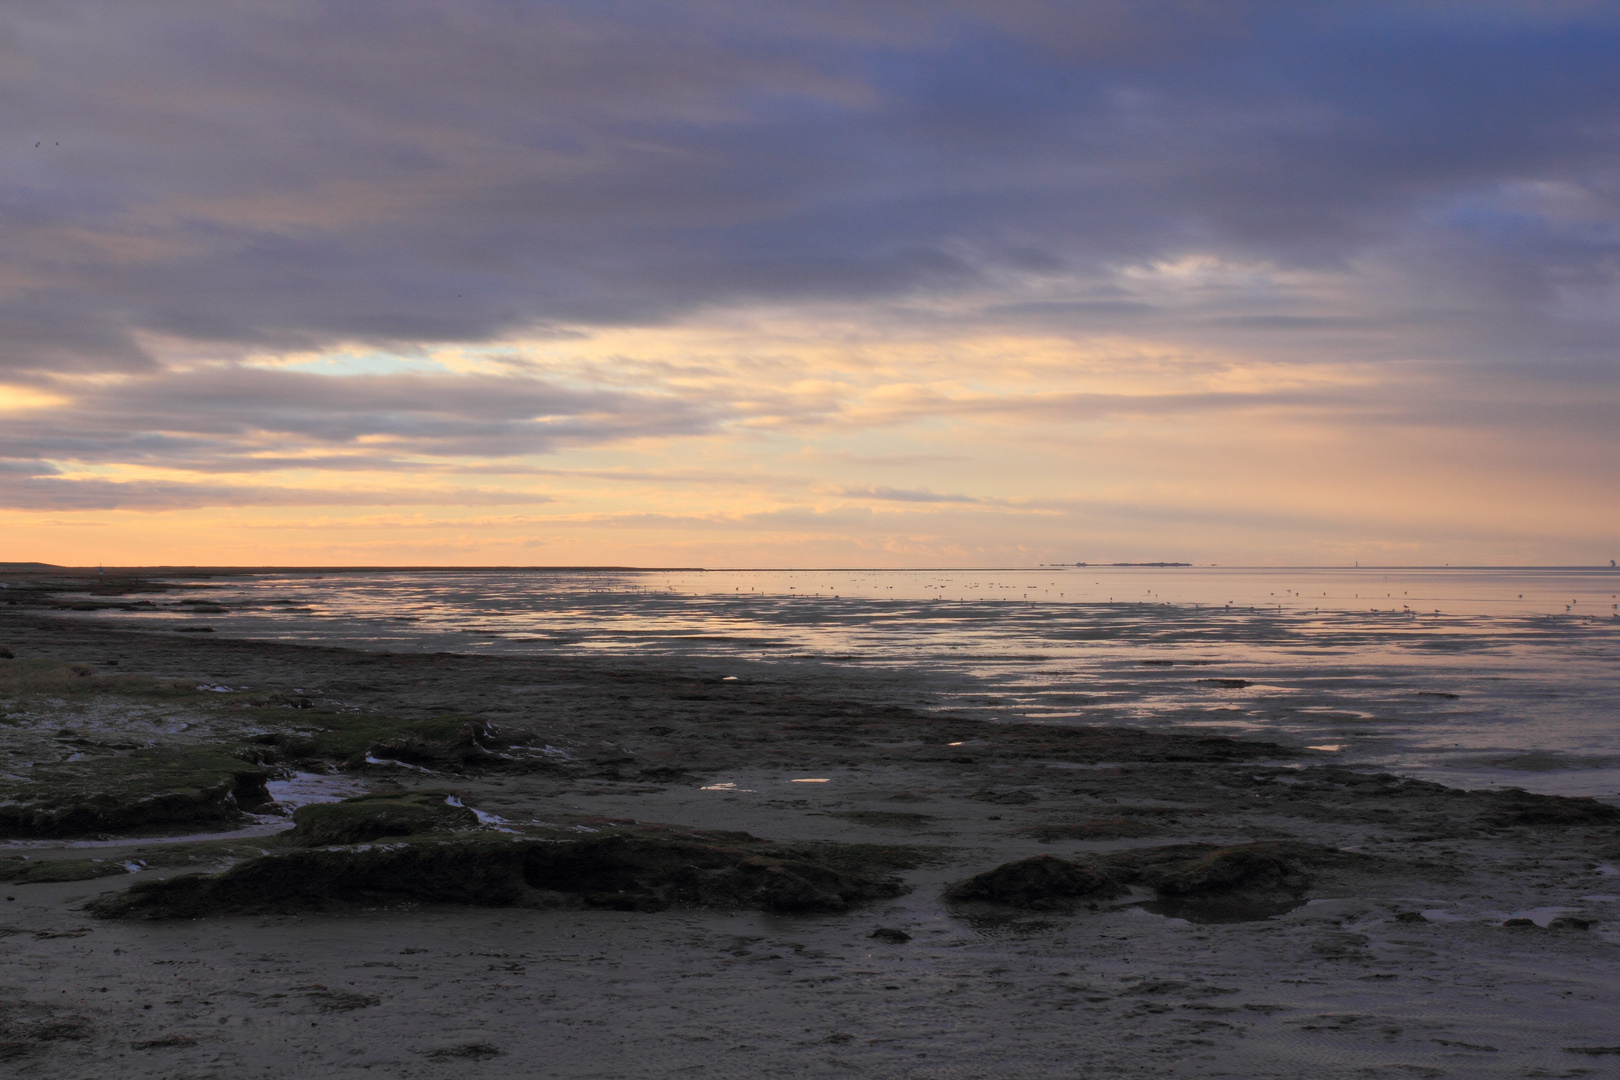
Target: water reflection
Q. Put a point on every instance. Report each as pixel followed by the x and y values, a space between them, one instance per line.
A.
pixel 1468 676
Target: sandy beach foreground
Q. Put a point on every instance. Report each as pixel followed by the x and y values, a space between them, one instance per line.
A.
pixel 541 871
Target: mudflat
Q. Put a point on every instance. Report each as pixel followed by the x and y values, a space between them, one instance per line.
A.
pixel 228 857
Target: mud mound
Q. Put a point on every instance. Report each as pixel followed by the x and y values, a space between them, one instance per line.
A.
pixel 1515 807
pixel 372 817
pixel 158 787
pixel 1206 884
pixel 1190 871
pixel 628 872
pixel 1180 873
pixel 1043 883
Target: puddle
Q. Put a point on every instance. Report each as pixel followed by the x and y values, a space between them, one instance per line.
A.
pixel 1441 915
pixel 992 922
pixel 370 760
pixel 1228 909
pixel 492 821
pixel 306 789
pixel 262 825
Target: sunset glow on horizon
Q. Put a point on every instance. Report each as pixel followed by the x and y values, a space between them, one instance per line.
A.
pixel 810 285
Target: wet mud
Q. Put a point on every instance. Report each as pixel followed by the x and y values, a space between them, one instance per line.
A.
pixel 613 868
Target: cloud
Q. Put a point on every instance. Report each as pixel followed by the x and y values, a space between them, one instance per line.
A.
pixel 922 495
pixel 289 175
pixel 62 493
pixel 710 265
pixel 246 419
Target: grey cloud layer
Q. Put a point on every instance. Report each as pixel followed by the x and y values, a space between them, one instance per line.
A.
pixel 244 420
pixel 43 492
pixel 290 174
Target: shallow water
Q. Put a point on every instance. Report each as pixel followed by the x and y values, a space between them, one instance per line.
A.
pixel 1477 677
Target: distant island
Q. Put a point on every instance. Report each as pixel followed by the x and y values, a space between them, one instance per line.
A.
pixel 1125 564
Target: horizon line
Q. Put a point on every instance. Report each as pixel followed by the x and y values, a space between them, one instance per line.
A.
pixel 36 567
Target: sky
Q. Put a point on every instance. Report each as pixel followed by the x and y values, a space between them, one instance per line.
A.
pixel 869 283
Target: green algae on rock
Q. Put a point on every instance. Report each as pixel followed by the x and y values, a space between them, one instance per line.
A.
pixel 642 870
pixel 354 740
pixel 478 871
pixel 76 681
pixel 373 817
pixel 133 858
pixel 146 789
pixel 17 871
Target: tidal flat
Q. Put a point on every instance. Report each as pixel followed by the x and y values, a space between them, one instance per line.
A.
pixel 229 857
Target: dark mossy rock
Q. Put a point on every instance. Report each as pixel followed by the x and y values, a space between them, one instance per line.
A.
pixel 147 789
pixel 655 872
pixel 1188 871
pixel 1180 872
pixel 1043 883
pixel 1516 807
pixel 373 817
pixel 643 871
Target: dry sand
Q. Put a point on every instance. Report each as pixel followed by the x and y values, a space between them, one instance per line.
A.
pixel 1393 962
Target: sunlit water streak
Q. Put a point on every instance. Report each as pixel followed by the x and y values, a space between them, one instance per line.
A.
pixel 1474 677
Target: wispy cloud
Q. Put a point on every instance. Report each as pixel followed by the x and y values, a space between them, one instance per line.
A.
pixel 919 495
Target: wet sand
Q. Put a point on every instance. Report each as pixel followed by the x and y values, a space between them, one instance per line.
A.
pixel 1392 961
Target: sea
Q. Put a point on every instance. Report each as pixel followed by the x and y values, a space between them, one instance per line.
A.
pixel 1474 677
